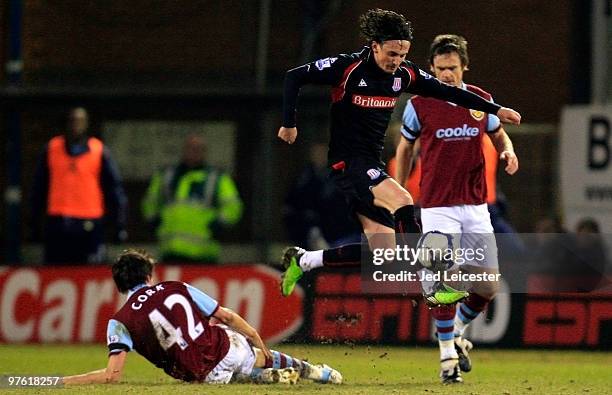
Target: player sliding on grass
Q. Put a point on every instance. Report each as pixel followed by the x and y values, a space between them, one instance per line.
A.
pixel 365 88
pixel 170 325
pixel 454 190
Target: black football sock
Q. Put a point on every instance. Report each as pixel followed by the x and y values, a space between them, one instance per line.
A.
pixel 405 220
pixel 348 255
pixel 405 223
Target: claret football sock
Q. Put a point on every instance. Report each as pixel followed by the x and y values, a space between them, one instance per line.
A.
pixel 467 311
pixel 443 317
pixel 280 360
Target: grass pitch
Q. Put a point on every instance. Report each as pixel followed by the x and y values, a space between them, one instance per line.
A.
pixel 366 370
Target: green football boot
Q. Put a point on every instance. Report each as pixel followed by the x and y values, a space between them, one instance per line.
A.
pixel 444 295
pixel 293 272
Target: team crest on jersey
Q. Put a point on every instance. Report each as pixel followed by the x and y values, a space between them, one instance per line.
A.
pixel 362 83
pixel 324 63
pixel 113 339
pixel 397 84
pixel 373 173
pixel 477 115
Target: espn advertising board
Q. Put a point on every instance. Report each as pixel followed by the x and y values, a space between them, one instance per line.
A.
pixel 339 313
pixel 74 304
pixel 585 164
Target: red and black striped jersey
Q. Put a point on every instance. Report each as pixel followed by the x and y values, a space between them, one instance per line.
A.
pixel 363 98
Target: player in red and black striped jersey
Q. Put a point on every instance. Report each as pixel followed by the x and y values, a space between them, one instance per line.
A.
pixel 189 335
pixel 365 88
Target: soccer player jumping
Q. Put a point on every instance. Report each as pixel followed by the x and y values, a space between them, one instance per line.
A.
pixel 365 88
pixel 453 189
pixel 169 324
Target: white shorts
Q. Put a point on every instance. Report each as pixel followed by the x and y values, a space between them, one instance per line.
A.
pixel 471 223
pixel 240 359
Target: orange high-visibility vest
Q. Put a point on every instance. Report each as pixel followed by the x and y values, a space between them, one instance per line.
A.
pixel 75 188
pixel 491 158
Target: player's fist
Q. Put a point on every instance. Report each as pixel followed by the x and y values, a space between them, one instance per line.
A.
pixel 511 159
pixel 508 115
pixel 287 134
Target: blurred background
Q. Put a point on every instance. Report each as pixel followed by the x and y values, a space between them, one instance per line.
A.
pixel 149 73
pixel 183 92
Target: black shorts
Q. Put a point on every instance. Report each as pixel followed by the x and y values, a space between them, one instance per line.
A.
pixel 355 178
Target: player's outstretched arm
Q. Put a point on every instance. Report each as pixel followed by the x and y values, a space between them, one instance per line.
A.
pixel 426 85
pixel 111 374
pixel 239 324
pixel 326 71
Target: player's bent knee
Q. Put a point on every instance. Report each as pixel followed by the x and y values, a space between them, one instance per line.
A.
pixel 487 289
pixel 260 358
pixel 402 199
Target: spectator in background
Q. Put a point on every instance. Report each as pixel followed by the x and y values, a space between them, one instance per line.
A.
pixel 189 203
pixel 569 261
pixel 316 214
pixel 587 262
pixel 77 185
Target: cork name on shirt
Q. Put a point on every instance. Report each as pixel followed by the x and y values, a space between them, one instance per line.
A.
pixel 143 298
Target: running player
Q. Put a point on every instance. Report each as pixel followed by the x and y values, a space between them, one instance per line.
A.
pixel 170 325
pixel 453 188
pixel 365 88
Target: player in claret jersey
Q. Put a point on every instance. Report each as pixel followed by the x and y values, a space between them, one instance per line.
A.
pixel 453 189
pixel 365 88
pixel 170 324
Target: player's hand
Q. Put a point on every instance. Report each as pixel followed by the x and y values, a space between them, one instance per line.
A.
pixel 288 135
pixel 257 342
pixel 511 159
pixel 508 115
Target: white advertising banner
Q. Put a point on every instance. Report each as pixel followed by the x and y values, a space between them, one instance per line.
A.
pixel 586 165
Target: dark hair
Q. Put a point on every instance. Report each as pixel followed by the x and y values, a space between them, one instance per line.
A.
pixel 132 267
pixel 449 43
pixel 383 25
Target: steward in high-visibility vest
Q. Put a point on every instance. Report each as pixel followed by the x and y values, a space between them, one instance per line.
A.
pixel 77 185
pixel 188 203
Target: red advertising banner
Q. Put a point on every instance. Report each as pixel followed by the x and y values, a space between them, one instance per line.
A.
pixel 340 312
pixel 73 304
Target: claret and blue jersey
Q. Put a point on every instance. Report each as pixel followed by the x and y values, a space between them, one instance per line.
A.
pixel 168 324
pixel 453 165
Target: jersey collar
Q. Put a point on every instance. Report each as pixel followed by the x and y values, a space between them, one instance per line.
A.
pixel 136 288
